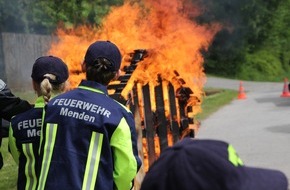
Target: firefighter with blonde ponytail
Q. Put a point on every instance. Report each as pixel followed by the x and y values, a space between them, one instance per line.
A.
pixel 49 78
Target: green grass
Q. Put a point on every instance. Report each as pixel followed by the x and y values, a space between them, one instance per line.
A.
pixel 30 96
pixel 214 100
pixel 8 174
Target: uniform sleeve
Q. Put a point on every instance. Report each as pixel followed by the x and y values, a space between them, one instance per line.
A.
pixel 125 164
pixel 134 138
pixel 12 146
pixel 10 105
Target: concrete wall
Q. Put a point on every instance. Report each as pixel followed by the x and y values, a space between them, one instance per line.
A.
pixel 19 53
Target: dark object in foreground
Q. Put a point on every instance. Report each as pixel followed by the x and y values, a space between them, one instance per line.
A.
pixel 195 164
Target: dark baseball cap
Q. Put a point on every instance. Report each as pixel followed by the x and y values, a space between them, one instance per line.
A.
pixel 203 164
pixel 50 65
pixel 104 49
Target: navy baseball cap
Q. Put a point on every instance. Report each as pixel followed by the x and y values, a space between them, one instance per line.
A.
pixel 195 164
pixel 104 49
pixel 50 65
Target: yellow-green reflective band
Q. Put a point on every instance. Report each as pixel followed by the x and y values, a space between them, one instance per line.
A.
pixel 31 179
pixel 93 160
pixel 91 89
pixel 50 137
pixel 234 157
pixel 41 131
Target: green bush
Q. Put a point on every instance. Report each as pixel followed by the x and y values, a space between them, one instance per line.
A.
pixel 262 66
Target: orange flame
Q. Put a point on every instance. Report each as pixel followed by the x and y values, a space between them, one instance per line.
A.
pixel 164 28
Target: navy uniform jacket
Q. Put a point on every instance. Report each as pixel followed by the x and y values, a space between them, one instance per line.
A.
pixel 9 106
pixel 24 139
pixel 89 141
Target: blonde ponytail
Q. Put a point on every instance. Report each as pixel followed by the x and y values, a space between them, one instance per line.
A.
pixel 46 87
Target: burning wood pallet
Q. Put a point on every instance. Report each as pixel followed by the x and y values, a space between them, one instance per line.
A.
pixel 163 123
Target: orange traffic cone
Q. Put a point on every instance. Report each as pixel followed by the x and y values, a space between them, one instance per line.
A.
pixel 242 94
pixel 285 92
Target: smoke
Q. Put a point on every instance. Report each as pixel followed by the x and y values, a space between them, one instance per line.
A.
pixel 229 42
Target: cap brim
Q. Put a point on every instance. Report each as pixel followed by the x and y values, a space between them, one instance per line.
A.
pixel 265 179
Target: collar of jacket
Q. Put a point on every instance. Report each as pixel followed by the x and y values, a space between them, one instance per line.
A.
pixel 93 86
pixel 39 103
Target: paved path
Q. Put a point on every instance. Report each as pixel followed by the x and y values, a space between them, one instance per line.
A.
pixel 258 126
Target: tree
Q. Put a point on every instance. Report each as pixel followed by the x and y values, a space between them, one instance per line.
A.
pixel 43 17
pixel 252 29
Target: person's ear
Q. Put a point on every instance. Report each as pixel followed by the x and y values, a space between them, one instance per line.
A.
pixel 35 86
pixel 118 73
pixel 65 87
pixel 84 68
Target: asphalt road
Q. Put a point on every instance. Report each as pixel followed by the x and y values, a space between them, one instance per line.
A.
pixel 258 126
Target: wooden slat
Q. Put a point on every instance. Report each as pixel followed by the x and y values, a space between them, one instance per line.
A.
pixel 173 113
pixel 134 107
pixel 160 113
pixel 149 125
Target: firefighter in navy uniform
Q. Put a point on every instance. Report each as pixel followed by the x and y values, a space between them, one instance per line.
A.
pixel 89 139
pixel 9 106
pixel 49 76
